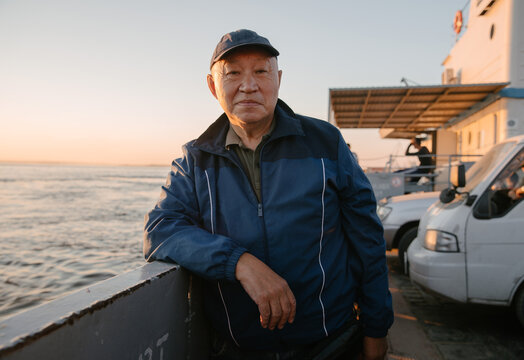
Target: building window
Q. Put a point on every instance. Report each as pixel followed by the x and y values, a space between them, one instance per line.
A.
pixel 480 139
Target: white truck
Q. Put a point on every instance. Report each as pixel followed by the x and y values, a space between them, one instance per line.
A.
pixel 470 244
pixel 400 216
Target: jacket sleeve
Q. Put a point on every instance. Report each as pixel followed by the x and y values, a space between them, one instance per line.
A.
pixel 364 231
pixel 174 233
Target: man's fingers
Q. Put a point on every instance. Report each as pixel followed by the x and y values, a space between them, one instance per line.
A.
pixel 289 307
pixel 265 314
pixel 293 303
pixel 286 311
pixel 282 309
pixel 276 313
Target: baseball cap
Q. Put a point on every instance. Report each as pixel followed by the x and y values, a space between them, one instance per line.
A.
pixel 238 38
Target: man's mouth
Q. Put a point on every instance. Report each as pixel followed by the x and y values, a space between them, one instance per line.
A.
pixel 248 103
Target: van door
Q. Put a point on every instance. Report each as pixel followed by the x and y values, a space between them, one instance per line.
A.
pixel 495 236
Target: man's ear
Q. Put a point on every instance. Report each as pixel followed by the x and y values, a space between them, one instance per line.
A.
pixel 211 85
pixel 279 77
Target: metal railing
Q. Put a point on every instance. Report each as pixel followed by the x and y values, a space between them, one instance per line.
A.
pixel 153 312
pixel 433 177
pixel 438 174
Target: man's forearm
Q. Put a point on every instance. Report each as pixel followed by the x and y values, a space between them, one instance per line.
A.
pixel 407 150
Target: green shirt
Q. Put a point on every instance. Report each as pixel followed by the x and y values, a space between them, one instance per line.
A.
pixel 250 159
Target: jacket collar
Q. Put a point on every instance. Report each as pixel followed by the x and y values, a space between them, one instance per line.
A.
pixel 214 138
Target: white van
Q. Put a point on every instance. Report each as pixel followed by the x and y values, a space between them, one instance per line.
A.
pixel 470 244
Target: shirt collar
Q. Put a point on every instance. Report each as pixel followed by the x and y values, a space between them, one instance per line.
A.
pixel 232 137
pixel 213 139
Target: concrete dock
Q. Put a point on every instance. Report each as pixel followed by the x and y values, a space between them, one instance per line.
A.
pixel 431 328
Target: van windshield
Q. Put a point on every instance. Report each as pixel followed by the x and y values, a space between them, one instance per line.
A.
pixel 483 167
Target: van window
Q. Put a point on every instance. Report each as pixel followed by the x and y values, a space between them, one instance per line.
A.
pixel 508 187
pixel 485 165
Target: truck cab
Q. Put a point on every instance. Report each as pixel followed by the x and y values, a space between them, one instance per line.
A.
pixel 470 243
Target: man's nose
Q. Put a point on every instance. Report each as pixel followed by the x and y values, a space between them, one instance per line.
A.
pixel 249 83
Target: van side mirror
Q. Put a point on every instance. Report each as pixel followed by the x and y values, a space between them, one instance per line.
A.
pixel 447 195
pixel 457 176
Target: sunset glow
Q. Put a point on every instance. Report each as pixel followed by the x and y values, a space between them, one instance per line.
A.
pixel 90 82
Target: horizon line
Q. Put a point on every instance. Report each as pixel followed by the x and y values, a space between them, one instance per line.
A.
pixel 66 163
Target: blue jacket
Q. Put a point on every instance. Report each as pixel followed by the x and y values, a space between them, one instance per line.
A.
pixel 315 226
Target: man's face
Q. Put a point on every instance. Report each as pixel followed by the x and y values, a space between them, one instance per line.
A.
pixel 246 85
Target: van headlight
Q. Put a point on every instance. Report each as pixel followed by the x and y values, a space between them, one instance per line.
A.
pixel 436 240
pixel 383 212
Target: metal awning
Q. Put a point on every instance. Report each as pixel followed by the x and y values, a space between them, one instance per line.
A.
pixel 406 110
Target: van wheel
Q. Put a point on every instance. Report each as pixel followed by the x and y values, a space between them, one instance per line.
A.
pixel 403 245
pixel 519 305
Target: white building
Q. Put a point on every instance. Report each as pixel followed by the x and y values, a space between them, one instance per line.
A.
pixel 480 101
pixel 491 50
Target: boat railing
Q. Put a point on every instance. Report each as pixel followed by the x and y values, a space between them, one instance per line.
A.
pixel 399 176
pixel 153 312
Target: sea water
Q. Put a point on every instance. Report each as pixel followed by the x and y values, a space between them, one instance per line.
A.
pixel 65 227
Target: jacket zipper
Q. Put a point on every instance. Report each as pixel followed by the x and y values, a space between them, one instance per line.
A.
pixel 260 208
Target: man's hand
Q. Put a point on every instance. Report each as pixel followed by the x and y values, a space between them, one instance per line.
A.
pixel 276 303
pixel 374 348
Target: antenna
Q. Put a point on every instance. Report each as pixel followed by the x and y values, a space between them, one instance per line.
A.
pixel 406 81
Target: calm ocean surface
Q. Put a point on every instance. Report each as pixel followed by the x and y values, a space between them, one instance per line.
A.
pixel 65 227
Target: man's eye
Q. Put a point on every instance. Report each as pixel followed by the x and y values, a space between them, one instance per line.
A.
pixel 232 73
pixel 261 71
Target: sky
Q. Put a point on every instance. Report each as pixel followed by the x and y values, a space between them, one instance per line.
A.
pixel 123 82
